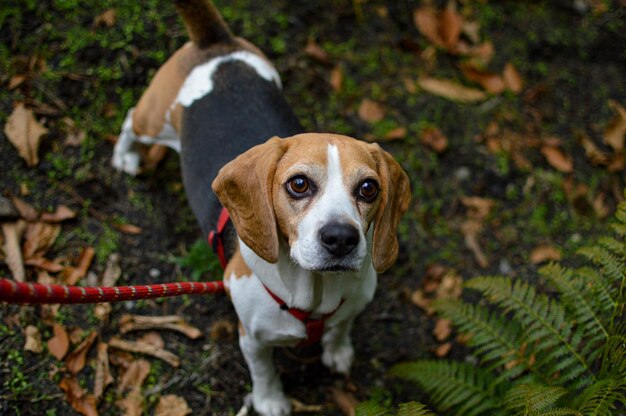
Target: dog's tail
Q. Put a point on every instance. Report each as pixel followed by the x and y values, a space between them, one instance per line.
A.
pixel 203 22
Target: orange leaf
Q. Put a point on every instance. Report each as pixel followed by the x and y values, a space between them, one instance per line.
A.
pixel 75 395
pixel 557 159
pixel 434 138
pixel 25 133
pixel 443 329
pixel 615 132
pixel 59 343
pixel 451 90
pixel 491 82
pixel 512 79
pixel 450 26
pixel 543 253
pixel 371 111
pixel 75 361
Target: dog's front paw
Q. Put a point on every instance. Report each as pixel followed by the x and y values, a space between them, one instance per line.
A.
pixel 126 162
pixel 339 358
pixel 275 404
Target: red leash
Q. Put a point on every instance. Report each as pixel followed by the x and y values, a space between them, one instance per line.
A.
pixel 16 292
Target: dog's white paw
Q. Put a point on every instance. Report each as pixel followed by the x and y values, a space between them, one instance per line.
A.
pixel 126 162
pixel 274 404
pixel 338 359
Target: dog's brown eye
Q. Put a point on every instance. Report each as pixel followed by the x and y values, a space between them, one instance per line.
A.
pixel 368 190
pixel 299 186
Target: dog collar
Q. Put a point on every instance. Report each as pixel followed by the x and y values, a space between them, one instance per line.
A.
pixel 216 237
pixel 314 327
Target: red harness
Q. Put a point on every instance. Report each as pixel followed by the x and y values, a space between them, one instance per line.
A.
pixel 314 327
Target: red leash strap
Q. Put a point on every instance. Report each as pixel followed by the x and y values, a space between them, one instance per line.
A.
pixel 16 292
pixel 314 327
pixel 216 237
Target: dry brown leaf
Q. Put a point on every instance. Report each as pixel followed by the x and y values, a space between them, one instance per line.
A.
pixel 59 344
pixel 443 329
pixel 512 79
pixel 451 286
pixel 106 18
pixel 33 340
pixel 450 26
pixel 112 273
pixel 143 348
pixel 432 279
pixel 172 405
pixel 371 111
pixel 420 300
pixel 472 31
pixel 480 55
pixel 26 210
pixel 471 229
pixel 12 232
pixel 595 155
pixel 616 164
pixel 443 349
pixel 398 133
pixel 435 139
pixel 73 275
pixel 128 229
pixel 336 78
pixel 478 208
pixel 315 51
pixel 103 374
pixel 25 133
pixel 15 81
pixel 490 82
pixel 39 238
pixel 152 338
pixel 75 361
pixel 346 402
pixel 451 90
pixel 600 207
pixel 543 253
pixel 172 322
pixel 426 19
pixel 615 132
pixel 62 213
pixel 135 375
pixel 132 404
pixel 83 403
pixel 222 330
pixel 42 263
pixel 557 159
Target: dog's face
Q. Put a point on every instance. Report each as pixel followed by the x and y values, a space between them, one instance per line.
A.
pixel 319 194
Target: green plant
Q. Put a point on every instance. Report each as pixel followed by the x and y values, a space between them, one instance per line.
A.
pixel 371 408
pixel 539 354
pixel 200 260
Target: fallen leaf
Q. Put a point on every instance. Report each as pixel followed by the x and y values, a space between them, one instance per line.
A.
pixel 83 403
pixel 443 349
pixel 451 286
pixel 112 272
pixel 52 266
pixel 490 81
pixel 103 374
pixel 346 402
pixel 472 31
pixel 371 111
pixel 471 229
pixel 172 322
pixel 39 238
pixel 152 338
pixel 599 206
pixel 543 253
pixel 426 20
pixel 143 348
pixel 615 132
pixel 61 214
pixel 12 232
pixel 450 26
pixel 75 360
pixel 478 208
pixel 33 340
pixel 595 155
pixel 25 133
pixel 398 133
pixel 222 330
pixel 336 78
pixel 432 279
pixel 172 405
pixel 26 211
pixel 73 275
pixel 132 404
pixel 435 139
pixel 451 90
pixel 15 81
pixel 59 344
pixel 315 51
pixel 106 18
pixel 443 329
pixel 557 159
pixel 512 79
pixel 419 299
pixel 616 164
pixel 135 375
pixel 128 229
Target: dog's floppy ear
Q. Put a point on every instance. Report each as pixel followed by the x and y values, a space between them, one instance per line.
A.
pixel 396 195
pixel 244 187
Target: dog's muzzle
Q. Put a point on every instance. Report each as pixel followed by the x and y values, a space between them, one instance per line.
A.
pixel 339 239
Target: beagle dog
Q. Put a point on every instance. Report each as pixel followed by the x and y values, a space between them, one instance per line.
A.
pixel 313 216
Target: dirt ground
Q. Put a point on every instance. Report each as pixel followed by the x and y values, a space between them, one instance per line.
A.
pixel 523 153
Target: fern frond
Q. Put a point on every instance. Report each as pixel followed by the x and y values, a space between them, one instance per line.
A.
pixel 618 248
pixel 599 399
pixel 467 389
pixel 414 409
pixel 612 265
pixel 546 329
pixel 606 294
pixel 371 408
pixel 495 338
pixel 532 398
pixel 587 311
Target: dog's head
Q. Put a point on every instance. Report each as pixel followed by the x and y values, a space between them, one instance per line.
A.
pixel 318 193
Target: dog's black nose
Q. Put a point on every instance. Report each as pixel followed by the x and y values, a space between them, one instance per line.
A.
pixel 339 239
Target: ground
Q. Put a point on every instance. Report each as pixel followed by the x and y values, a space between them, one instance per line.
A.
pixel 523 152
